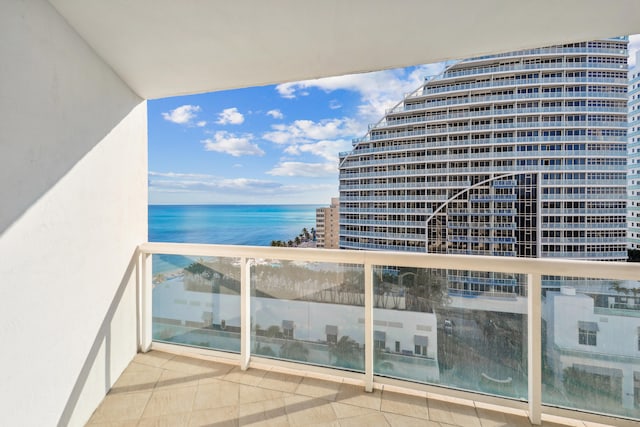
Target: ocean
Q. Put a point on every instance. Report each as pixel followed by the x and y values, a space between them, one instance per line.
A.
pixel 254 225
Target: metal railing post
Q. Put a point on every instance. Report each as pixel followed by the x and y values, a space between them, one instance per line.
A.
pixel 245 313
pixel 534 339
pixel 146 292
pixel 368 327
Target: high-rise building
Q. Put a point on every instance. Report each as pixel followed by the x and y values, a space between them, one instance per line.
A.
pixel 517 154
pixel 633 150
pixel 327 225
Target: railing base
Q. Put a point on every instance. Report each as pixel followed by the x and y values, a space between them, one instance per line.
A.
pixel 477 400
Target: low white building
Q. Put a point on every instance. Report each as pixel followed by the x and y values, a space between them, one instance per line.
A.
pixel 600 342
pixel 398 332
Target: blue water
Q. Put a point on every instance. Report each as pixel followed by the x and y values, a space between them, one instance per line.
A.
pixel 255 225
pixel 229 224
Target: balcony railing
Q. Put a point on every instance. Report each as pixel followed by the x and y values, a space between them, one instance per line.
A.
pixel 479 327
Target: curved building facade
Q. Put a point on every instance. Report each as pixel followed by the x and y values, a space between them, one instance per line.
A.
pixel 633 150
pixel 519 154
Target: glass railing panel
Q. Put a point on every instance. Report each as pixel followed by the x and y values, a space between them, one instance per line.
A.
pixel 591 345
pixel 196 301
pixel 455 328
pixel 308 312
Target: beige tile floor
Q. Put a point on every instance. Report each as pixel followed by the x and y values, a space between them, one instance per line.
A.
pixel 161 389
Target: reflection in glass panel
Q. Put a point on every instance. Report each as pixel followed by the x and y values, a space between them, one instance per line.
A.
pixel 196 301
pixel 591 344
pixel 308 312
pixel 461 329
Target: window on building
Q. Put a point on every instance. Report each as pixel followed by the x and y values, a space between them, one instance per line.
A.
pixel 332 334
pixel 636 389
pixel 421 342
pixel 379 339
pixel 587 333
pixel 287 329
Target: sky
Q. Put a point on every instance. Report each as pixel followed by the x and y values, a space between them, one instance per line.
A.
pixel 275 144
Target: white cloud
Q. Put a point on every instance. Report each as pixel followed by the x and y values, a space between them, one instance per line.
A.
pixel 276 114
pixel 378 90
pixel 225 142
pixel 326 149
pixel 182 115
pixel 230 116
pixel 287 90
pixel 180 175
pixel 201 123
pixel 231 185
pixel 293 150
pixel 304 131
pixel 236 184
pixel 236 190
pixel 310 170
pixel 334 104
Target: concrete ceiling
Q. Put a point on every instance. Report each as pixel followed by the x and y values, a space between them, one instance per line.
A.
pixel 171 47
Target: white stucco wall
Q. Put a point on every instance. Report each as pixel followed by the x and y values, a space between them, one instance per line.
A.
pixel 171 301
pixel 73 165
pixel 617 334
pixel 617 338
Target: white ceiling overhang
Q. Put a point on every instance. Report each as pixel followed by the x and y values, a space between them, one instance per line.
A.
pixel 170 47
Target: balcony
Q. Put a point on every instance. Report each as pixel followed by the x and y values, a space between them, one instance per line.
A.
pixel 74 183
pixel 366 323
pixel 198 390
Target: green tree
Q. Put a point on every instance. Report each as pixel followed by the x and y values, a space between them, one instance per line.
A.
pixel 346 352
pixel 294 350
pixel 264 351
pixel 617 286
pixel 273 331
pixel 428 290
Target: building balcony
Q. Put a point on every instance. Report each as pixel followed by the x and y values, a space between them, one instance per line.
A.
pixel 197 390
pixel 494 98
pixel 517 82
pixel 553 51
pixel 74 188
pixel 489 112
pixel 257 334
pixel 542 66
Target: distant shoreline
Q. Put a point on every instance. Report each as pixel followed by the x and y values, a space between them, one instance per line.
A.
pixel 238 204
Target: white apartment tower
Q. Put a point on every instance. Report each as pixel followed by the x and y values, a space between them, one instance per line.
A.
pixel 327 225
pixel 633 150
pixel 518 154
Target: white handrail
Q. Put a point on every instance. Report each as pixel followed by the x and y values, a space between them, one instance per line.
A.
pixel 554 267
pixel 533 268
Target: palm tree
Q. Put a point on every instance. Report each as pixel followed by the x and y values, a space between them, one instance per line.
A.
pixel 264 351
pixel 428 291
pixel 617 286
pixel 346 352
pixel 273 331
pixel 294 350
